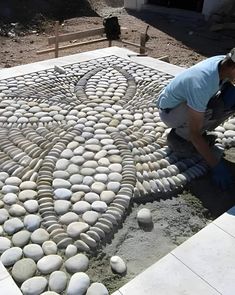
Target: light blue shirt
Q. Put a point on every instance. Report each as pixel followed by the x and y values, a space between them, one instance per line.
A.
pixel 195 86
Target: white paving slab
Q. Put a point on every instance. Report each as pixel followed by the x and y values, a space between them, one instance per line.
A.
pixel 7 285
pixel 211 254
pixel 168 277
pixel 227 222
pixel 86 56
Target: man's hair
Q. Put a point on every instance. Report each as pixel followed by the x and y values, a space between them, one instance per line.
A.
pixel 230 58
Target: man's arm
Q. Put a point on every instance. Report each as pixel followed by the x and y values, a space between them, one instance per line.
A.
pixel 196 120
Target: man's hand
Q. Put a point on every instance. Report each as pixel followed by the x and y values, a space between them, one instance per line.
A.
pixel 221 176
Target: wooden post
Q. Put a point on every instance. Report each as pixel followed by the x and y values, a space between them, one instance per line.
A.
pixel 57 39
pixel 110 43
pixel 142 43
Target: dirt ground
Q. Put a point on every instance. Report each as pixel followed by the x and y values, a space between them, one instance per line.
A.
pixel 184 37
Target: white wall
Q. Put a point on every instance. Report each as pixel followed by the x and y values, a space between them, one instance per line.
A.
pixel 211 6
pixel 134 4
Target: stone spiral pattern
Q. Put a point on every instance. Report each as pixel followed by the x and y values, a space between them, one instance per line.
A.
pixel 78 145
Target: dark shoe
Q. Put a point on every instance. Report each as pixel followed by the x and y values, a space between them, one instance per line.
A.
pixel 181 147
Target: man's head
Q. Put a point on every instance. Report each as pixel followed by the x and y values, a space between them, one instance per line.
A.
pixel 227 70
pixel 231 55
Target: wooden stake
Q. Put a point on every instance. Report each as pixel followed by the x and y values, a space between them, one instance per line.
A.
pixel 72 45
pixel 57 39
pixel 142 43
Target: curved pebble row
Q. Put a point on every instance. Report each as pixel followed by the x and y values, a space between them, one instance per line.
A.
pixel 78 144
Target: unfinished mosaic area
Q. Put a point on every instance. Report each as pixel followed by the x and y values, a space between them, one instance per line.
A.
pixel 78 145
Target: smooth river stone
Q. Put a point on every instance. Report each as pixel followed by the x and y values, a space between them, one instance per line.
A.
pixel 78 160
pixel 4 215
pixel 28 185
pixel 115 168
pixel 21 238
pixel 115 159
pixel 5 244
pixel 81 206
pixel 10 189
pixel 58 117
pixel 113 186
pixel 79 151
pixel 102 170
pixel 24 269
pixel 107 196
pixel 11 256
pixel 88 180
pixel 67 154
pixel 70 251
pixel 32 222
pixel 17 210
pixel 97 289
pixel 101 177
pixel 39 236
pixel 26 195
pixel 104 162
pixel 90 217
pixel 33 251
pixel 144 216
pixel 69 217
pixel 73 145
pixel 90 164
pixel 74 229
pixel 114 176
pixel 91 197
pixel 98 187
pixel 13 225
pixel 61 174
pixel 99 206
pixel 49 247
pixel 3 176
pixel 58 281
pixel 77 263
pixel 93 147
pixel 117 265
pixel 34 286
pixel 76 179
pixel 77 196
pixel 61 206
pixel 49 263
pixel 62 194
pixel 31 206
pixel 72 169
pixel 61 183
pixel 100 154
pixel 62 164
pixel 78 284
pixel 13 181
pixel 87 171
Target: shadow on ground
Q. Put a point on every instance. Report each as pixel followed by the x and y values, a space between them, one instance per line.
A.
pixel 212 198
pixel 188 27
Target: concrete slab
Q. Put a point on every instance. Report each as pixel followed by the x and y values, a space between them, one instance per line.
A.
pixel 7 285
pixel 227 222
pixel 167 277
pixel 211 255
pixel 86 56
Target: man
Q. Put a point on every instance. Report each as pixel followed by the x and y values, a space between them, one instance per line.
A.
pixel 198 100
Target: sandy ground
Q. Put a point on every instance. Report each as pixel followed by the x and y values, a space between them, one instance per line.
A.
pixel 186 39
